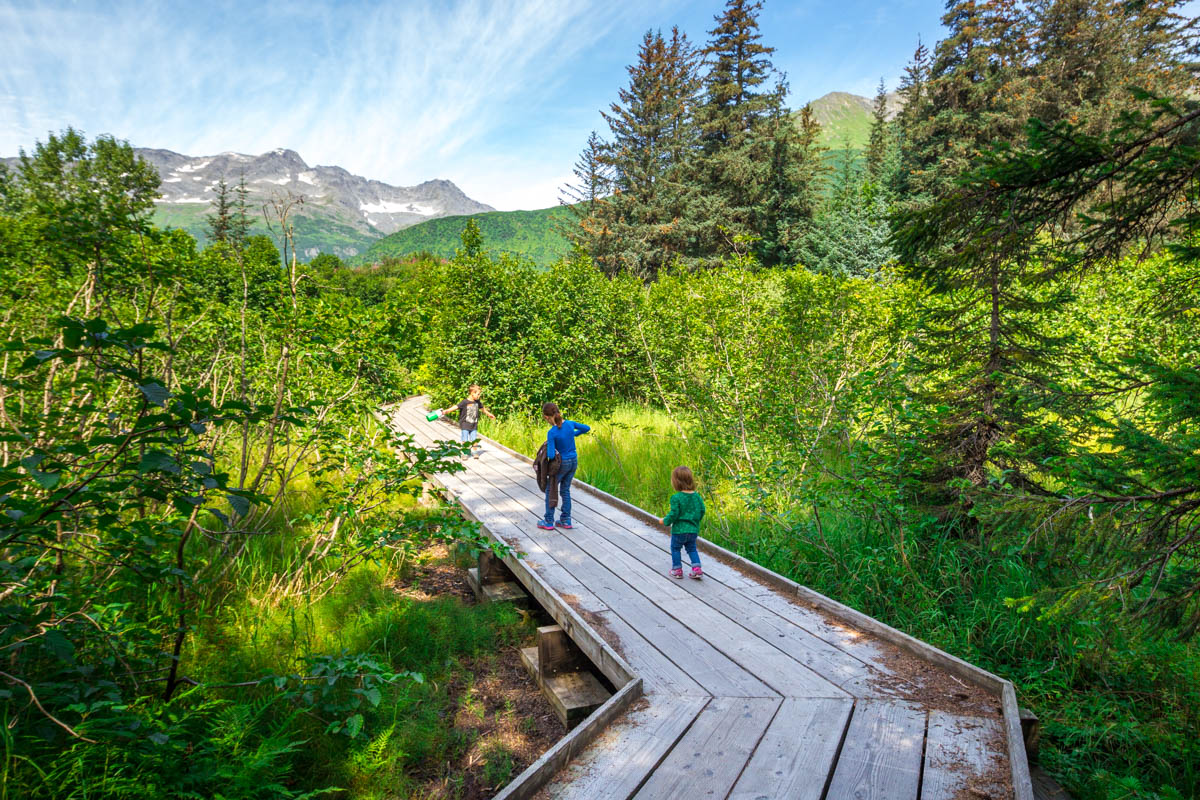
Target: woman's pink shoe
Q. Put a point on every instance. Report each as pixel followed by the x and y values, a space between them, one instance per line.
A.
pixel 677 572
pixel 697 572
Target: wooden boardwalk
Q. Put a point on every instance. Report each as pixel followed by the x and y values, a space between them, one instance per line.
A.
pixel 748 693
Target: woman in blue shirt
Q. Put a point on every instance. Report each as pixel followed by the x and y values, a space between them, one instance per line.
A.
pixel 560 441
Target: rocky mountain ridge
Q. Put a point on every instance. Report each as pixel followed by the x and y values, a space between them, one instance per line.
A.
pixel 360 202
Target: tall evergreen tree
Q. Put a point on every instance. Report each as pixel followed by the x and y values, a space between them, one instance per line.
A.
pixel 735 102
pixel 588 227
pixel 221 218
pixel 881 146
pixel 1090 53
pixel 592 173
pixel 636 228
pixel 239 220
pixel 977 92
pixel 990 303
pixel 753 178
pixel 1066 202
pixel 914 106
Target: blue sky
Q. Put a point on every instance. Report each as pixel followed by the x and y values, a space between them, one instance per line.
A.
pixel 498 97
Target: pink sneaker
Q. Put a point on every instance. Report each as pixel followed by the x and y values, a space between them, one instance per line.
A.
pixel 697 572
pixel 677 572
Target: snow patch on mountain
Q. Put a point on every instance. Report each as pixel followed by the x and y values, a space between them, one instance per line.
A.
pixel 398 207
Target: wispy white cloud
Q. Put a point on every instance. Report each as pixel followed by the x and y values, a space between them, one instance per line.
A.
pixel 401 92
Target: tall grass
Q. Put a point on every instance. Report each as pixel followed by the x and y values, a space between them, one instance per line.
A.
pixel 410 737
pixel 1120 705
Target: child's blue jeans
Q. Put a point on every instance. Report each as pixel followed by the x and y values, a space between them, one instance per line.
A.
pixel 680 541
pixel 566 473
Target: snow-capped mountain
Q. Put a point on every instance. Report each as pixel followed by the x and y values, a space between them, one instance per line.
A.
pixel 359 202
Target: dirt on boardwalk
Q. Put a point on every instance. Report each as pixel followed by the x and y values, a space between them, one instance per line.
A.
pixel 500 708
pixel 908 677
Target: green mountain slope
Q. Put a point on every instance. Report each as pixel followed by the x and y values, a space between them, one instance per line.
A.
pixel 846 118
pixel 532 234
pixel 314 234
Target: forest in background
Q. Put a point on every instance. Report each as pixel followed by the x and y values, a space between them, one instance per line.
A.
pixel 955 385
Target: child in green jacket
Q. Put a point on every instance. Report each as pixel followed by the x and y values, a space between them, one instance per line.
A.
pixel 687 509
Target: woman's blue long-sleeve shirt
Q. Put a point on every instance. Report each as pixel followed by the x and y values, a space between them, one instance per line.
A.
pixel 562 440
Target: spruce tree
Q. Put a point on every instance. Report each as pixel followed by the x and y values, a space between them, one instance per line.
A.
pixel 1121 489
pixel 985 259
pixel 977 92
pixel 636 228
pixel 220 220
pixel 754 176
pixel 881 146
pixel 734 103
pixel 239 221
pixel 588 228
pixel 914 106
pixel 592 172
pixel 1090 53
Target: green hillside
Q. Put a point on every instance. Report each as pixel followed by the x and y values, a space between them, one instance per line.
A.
pixel 314 234
pixel 845 120
pixel 533 234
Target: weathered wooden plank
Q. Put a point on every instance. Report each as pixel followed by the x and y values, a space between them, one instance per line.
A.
pixel 1045 787
pixel 577 740
pixel 960 751
pixel 832 663
pixel 1017 761
pixel 711 755
pixel 556 651
pixel 881 754
pixel 658 672
pixel 623 757
pixel 796 754
pixel 574 695
pixel 507 592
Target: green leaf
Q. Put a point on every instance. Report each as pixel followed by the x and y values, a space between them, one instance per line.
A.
pixel 158 461
pixel 155 393
pixel 239 504
pixel 354 726
pixel 59 645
